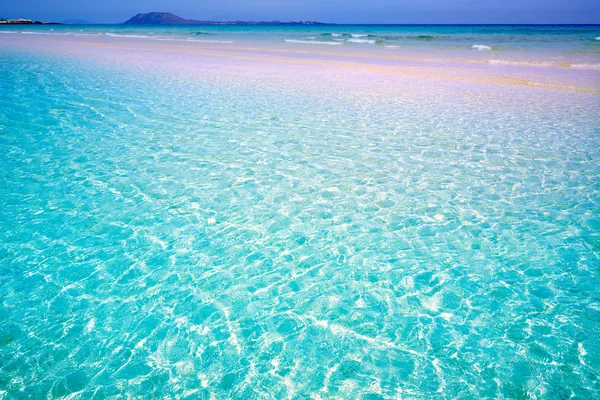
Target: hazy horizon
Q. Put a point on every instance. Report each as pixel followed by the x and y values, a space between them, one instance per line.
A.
pixel 333 11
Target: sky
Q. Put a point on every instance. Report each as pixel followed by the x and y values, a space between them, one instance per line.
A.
pixel 337 11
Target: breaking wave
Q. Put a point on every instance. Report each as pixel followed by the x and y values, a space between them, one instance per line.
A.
pixel 366 41
pixel 311 42
pixel 520 63
pixel 586 66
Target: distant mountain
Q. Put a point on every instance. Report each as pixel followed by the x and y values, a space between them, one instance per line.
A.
pixel 163 18
pixel 159 18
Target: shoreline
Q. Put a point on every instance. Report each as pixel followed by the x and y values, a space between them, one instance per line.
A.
pixel 454 67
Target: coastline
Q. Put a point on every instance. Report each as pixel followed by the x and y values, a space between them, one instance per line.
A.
pixel 466 66
pixel 26 22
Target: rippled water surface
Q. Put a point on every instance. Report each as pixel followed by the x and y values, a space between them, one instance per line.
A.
pixel 543 46
pixel 215 236
pixel 523 37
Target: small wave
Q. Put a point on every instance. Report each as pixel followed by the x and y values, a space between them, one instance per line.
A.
pixel 422 37
pixel 53 34
pixel 519 63
pixel 598 38
pixel 357 35
pixel 366 41
pixel 208 41
pixel 199 33
pixel 311 42
pixel 337 35
pixel 481 47
pixel 586 66
pixel 311 37
pixel 130 36
pixel 387 37
pixel 45 33
pixel 163 38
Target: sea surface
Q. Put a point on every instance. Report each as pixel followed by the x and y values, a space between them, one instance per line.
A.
pixel 271 219
pixel 577 46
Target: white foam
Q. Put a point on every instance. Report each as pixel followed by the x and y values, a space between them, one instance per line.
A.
pixel 44 33
pixel 53 34
pixel 586 66
pixel 598 38
pixel 357 35
pixel 310 42
pixel 519 63
pixel 311 37
pixel 336 34
pixel 130 36
pixel 173 38
pixel 481 47
pixel 208 41
pixel 368 41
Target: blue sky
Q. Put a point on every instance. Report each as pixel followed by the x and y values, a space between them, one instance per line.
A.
pixel 339 11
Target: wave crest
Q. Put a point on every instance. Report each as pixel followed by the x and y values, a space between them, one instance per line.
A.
pixel 519 63
pixel 586 66
pixel 365 41
pixel 311 42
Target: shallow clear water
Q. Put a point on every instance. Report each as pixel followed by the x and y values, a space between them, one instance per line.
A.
pixel 561 38
pixel 222 236
pixel 571 46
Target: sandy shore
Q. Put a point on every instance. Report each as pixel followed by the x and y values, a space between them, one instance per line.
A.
pixel 252 59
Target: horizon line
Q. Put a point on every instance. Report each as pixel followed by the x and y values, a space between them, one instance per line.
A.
pixel 303 23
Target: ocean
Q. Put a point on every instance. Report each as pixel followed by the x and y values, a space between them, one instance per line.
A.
pixel 373 212
pixel 540 45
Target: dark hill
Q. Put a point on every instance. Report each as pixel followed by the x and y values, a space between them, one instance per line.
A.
pixel 164 18
pixel 159 18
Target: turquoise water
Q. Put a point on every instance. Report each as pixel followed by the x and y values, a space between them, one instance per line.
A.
pixel 558 38
pixel 245 237
pixel 574 46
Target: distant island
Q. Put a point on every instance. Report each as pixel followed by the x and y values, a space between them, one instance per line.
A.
pixel 164 18
pixel 22 21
